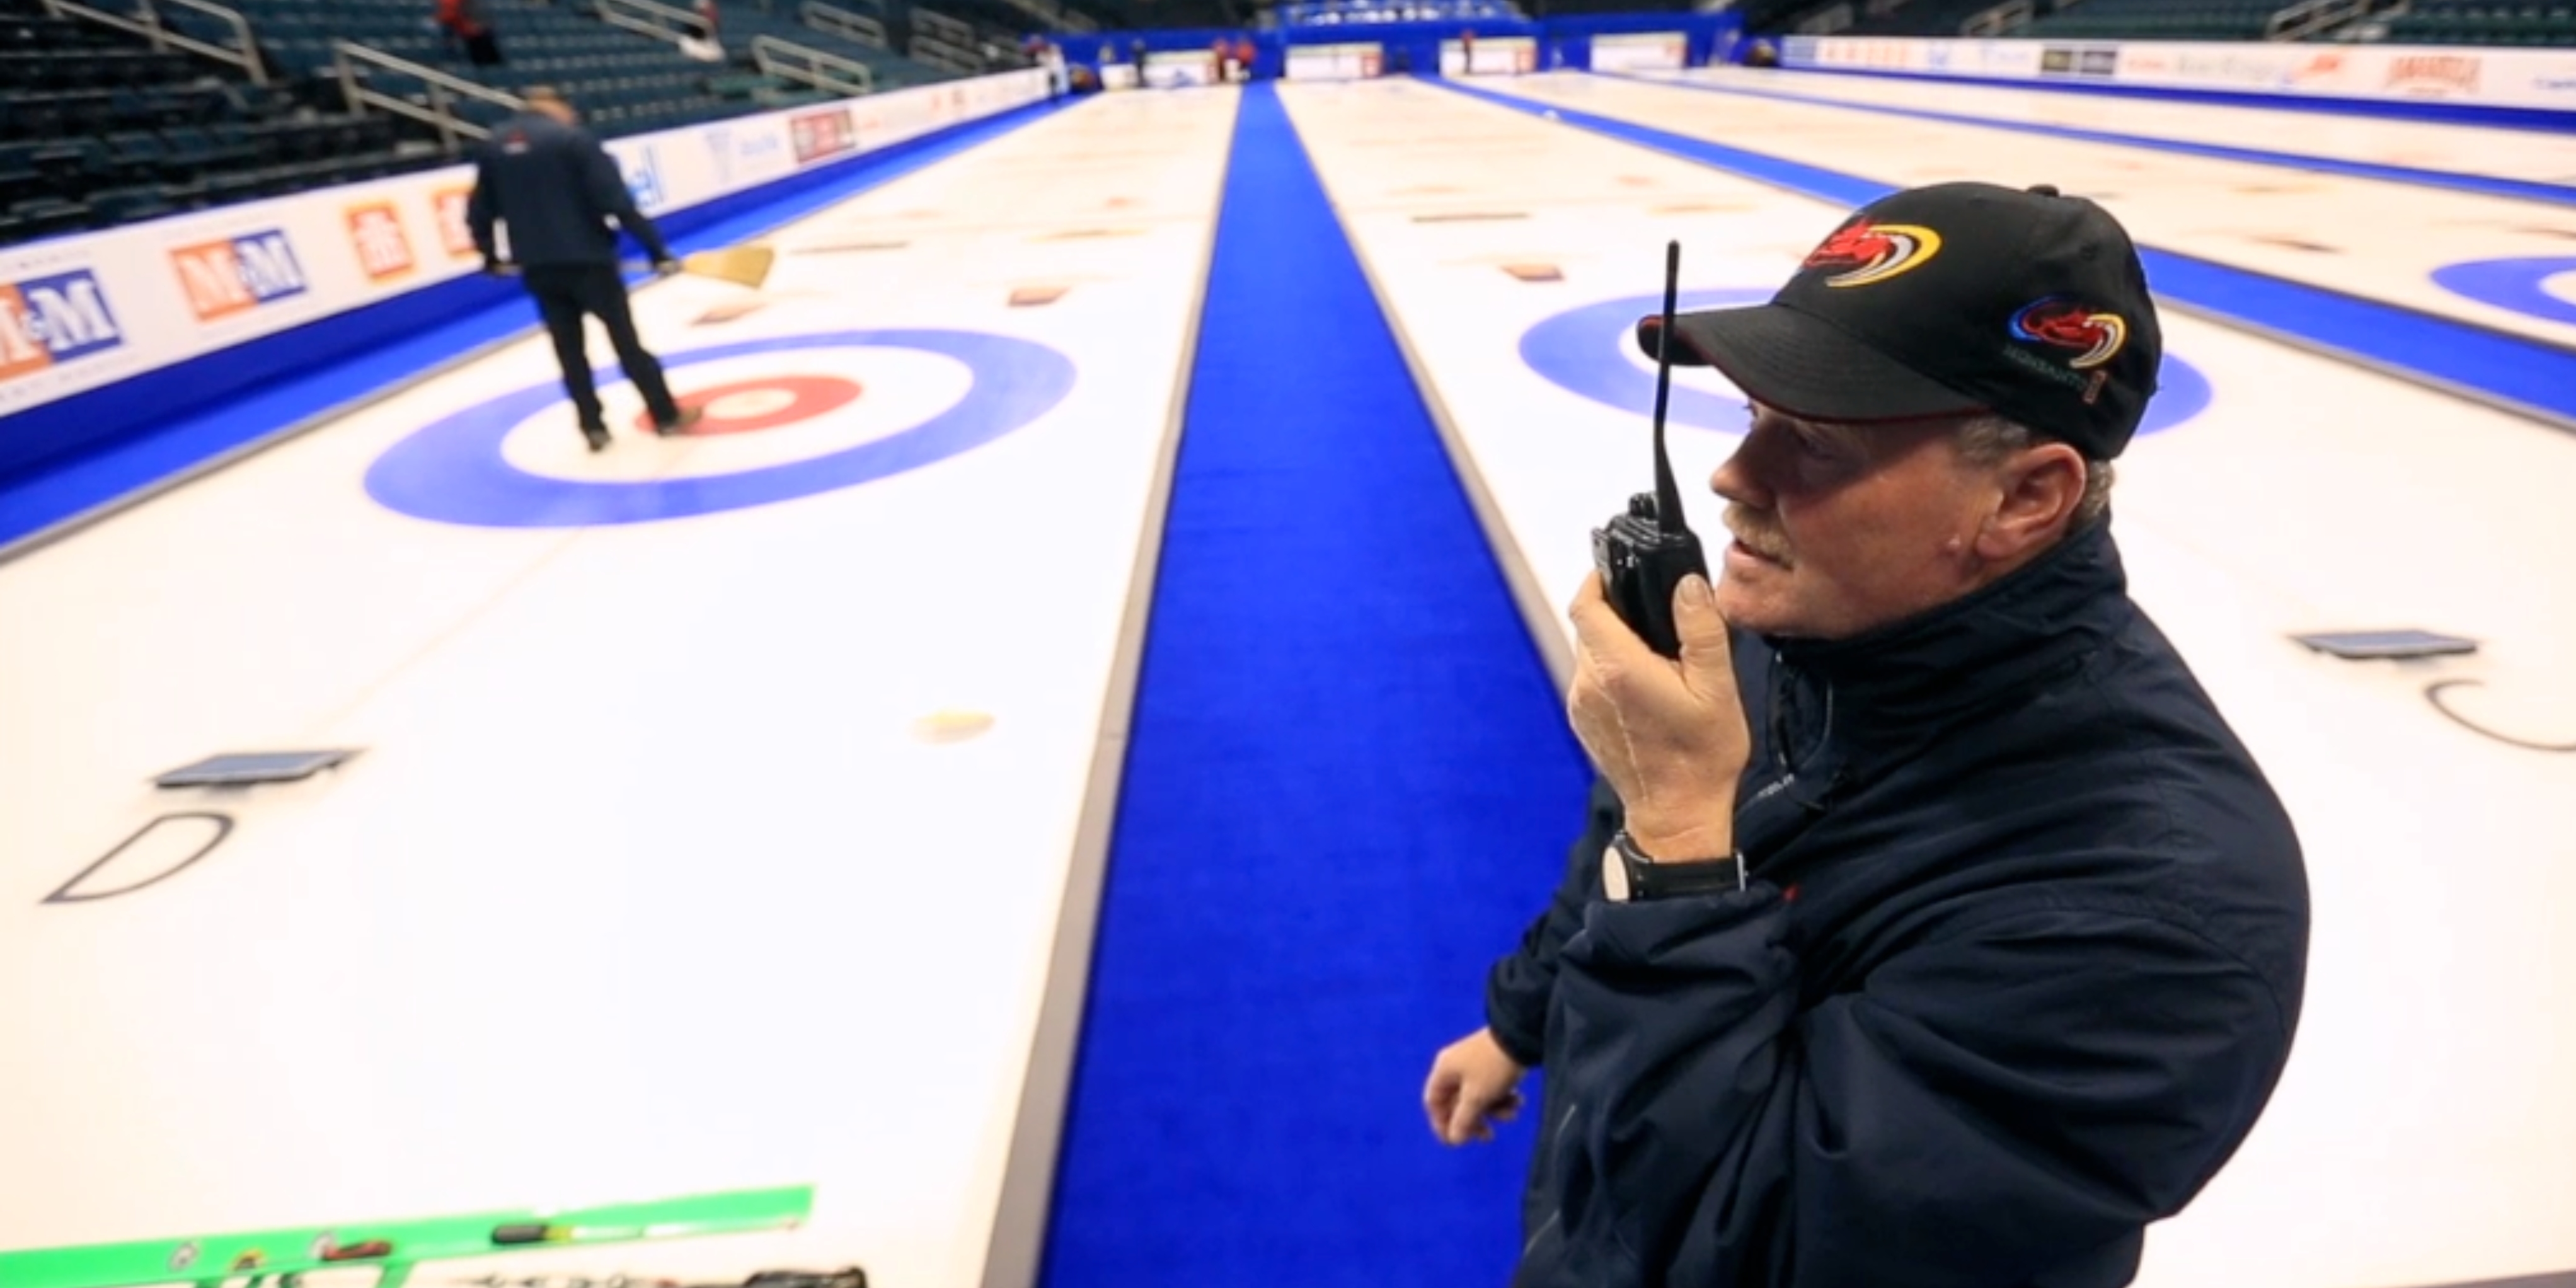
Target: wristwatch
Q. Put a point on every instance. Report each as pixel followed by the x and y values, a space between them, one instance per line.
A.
pixel 1628 875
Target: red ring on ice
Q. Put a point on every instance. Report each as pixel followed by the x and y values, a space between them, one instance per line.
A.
pixel 807 397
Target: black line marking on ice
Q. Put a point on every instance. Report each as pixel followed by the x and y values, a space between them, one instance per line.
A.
pixel 223 828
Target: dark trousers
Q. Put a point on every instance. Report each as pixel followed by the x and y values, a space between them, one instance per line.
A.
pixel 566 292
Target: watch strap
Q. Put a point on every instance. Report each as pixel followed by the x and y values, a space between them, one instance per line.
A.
pixel 1673 879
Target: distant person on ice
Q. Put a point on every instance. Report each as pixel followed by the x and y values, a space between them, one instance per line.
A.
pixel 555 189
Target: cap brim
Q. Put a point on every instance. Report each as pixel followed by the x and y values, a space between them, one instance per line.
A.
pixel 1804 366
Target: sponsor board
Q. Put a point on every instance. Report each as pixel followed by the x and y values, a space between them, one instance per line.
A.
pixel 448 206
pixel 1650 51
pixel 641 167
pixel 376 234
pixel 1168 69
pixel 1497 56
pixel 1871 53
pixel 823 134
pixel 229 276
pixel 2453 76
pixel 49 321
pixel 2098 62
pixel 2007 58
pixel 720 147
pixel 742 153
pixel 758 151
pixel 2502 77
pixel 2325 67
pixel 1335 62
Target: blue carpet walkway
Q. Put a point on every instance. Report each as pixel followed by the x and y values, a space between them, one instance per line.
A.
pixel 1350 786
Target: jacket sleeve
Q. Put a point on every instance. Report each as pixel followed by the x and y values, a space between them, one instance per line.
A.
pixel 607 190
pixel 479 214
pixel 1518 987
pixel 1996 1099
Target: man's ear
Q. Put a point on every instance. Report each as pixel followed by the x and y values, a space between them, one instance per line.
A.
pixel 2041 488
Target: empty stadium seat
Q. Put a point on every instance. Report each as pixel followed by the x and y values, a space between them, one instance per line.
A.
pixel 2470 22
pixel 2159 20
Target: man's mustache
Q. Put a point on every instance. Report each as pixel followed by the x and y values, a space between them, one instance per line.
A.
pixel 1756 534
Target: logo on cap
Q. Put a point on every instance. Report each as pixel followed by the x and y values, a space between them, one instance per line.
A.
pixel 2065 324
pixel 1873 252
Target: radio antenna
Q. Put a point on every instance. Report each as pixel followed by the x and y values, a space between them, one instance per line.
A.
pixel 1668 494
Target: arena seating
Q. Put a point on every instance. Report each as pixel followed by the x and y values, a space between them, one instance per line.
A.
pixel 2480 22
pixel 2426 22
pixel 626 83
pixel 2159 20
pixel 1918 18
pixel 741 20
pixel 97 129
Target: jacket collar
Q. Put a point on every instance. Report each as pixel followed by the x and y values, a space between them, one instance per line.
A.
pixel 1908 678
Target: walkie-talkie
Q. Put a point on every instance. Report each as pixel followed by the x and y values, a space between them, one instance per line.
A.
pixel 1644 554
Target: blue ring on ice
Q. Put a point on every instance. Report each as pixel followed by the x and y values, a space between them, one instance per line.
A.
pixel 1585 349
pixel 2519 284
pixel 452 470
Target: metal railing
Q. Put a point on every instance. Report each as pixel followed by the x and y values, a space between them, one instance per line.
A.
pixel 943 42
pixel 661 21
pixel 441 92
pixel 830 73
pixel 942 55
pixel 2010 16
pixel 847 24
pixel 2303 17
pixel 2308 17
pixel 1053 15
pixel 149 26
pixel 943 28
pixel 1000 51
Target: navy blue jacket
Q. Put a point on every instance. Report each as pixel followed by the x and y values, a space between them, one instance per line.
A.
pixel 555 188
pixel 2019 965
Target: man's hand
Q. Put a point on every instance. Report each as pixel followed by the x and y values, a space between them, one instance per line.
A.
pixel 1473 1086
pixel 1669 735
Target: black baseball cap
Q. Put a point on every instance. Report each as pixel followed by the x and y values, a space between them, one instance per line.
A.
pixel 1951 300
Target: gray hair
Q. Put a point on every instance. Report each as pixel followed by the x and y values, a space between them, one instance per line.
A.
pixel 1987 440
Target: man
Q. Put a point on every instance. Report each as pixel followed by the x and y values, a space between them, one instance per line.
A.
pixel 1933 929
pixel 555 188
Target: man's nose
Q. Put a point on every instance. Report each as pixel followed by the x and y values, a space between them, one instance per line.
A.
pixel 1739 478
